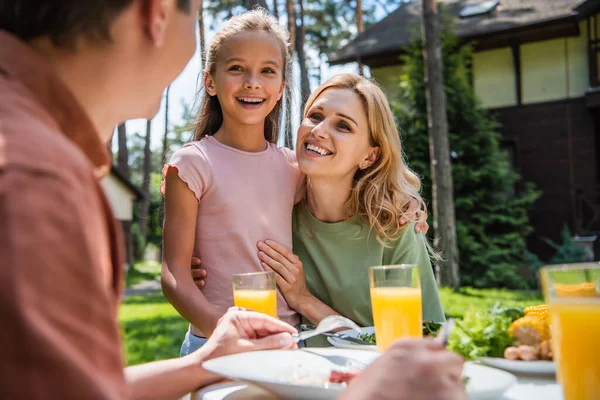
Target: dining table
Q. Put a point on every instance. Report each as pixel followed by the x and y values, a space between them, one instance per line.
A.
pixel 527 387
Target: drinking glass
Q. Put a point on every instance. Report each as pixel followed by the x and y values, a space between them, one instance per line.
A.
pixel 572 292
pixel 396 302
pixel 256 291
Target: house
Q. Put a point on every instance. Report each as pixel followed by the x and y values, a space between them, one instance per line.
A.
pixel 121 194
pixel 536 68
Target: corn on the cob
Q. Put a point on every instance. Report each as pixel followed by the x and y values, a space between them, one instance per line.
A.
pixel 529 330
pixel 539 311
pixel 587 289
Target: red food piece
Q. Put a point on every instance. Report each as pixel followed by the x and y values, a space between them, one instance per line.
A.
pixel 342 377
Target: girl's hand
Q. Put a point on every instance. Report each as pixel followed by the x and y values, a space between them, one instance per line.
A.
pixel 198 274
pixel 289 273
pixel 413 212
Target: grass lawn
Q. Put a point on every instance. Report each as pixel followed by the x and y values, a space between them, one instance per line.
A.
pixel 153 330
pixel 143 271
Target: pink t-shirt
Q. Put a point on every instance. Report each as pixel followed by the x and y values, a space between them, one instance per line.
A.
pixel 243 198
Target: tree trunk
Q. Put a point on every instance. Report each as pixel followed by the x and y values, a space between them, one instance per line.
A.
pixel 304 82
pixel 360 27
pixel 145 203
pixel 165 148
pixel 202 36
pixel 250 4
pixel 291 12
pixel 439 148
pixel 276 9
pixel 123 159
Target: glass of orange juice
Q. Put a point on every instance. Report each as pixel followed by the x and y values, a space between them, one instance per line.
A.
pixel 572 292
pixel 396 302
pixel 256 291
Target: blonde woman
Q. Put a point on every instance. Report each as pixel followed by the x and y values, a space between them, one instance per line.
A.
pixel 357 181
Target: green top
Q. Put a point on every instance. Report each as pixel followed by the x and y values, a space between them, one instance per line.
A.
pixel 336 258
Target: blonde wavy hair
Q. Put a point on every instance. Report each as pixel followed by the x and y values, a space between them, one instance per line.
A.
pixel 381 192
pixel 210 117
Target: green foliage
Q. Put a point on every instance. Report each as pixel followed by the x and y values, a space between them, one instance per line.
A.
pixel 155 212
pixel 139 242
pixel 491 202
pixel 568 251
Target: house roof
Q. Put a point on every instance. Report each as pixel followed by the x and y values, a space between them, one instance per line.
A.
pixel 400 27
pixel 123 179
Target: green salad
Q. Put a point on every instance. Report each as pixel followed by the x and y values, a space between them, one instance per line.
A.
pixel 484 334
pixel 430 328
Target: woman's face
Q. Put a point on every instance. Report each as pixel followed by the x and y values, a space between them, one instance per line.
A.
pixel 333 139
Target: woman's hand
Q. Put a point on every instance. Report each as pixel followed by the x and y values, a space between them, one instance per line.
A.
pixel 289 273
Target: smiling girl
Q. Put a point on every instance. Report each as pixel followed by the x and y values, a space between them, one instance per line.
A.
pixel 231 186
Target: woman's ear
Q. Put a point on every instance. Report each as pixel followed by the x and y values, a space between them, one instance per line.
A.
pixel 372 156
pixel 209 84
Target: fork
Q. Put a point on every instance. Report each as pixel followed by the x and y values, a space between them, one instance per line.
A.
pixel 327 324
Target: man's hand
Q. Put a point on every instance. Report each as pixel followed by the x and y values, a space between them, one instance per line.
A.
pixel 411 370
pixel 240 331
pixel 198 274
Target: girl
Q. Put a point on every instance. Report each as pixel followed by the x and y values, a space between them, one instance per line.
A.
pixel 349 148
pixel 231 187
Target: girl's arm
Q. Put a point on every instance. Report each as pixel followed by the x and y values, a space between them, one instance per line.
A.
pixel 179 230
pixel 291 280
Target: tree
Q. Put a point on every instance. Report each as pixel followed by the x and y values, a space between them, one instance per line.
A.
pixel 275 9
pixel 145 203
pixel 491 202
pixel 360 28
pixel 442 191
pixel 123 159
pixel 302 61
pixel 202 36
pixel 165 147
pixel 250 4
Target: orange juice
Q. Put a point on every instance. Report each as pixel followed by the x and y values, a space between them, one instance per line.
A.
pixel 575 326
pixel 396 313
pixel 263 301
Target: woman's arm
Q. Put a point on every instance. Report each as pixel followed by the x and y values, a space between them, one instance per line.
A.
pixel 179 230
pixel 291 280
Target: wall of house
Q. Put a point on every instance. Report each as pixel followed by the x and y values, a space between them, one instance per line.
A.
pixel 389 78
pixel 119 196
pixel 494 77
pixel 555 69
pixel 555 150
pixel 551 70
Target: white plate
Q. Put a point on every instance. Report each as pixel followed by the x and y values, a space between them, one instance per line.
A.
pixel 520 366
pixel 275 370
pixel 487 383
pixel 343 344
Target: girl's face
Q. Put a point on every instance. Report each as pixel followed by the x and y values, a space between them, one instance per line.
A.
pixel 248 77
pixel 333 139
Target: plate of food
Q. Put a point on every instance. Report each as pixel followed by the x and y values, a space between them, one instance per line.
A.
pixel 323 373
pixel 367 335
pixel 510 338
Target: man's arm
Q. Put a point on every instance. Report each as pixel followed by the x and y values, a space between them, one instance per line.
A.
pixel 238 331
